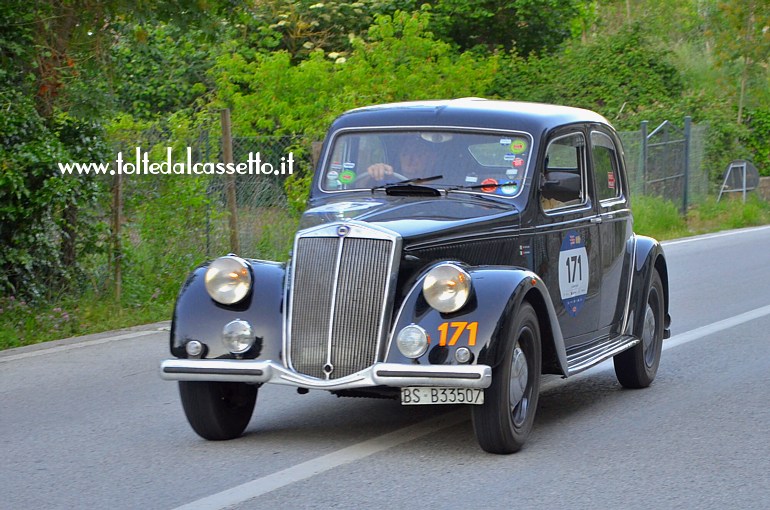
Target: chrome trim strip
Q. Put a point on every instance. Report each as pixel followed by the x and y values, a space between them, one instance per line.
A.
pixel 332 305
pixel 595 354
pixel 630 279
pixel 380 374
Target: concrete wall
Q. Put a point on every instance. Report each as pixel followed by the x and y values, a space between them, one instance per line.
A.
pixel 764 188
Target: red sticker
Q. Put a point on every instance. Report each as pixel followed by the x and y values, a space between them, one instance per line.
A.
pixel 517 162
pixel 488 185
pixel 611 180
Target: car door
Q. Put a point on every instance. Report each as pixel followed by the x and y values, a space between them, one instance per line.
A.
pixel 615 225
pixel 567 251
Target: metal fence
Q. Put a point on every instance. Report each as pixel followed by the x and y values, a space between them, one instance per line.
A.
pixel 668 162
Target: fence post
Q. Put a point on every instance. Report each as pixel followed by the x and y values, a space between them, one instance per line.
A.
pixel 117 249
pixel 687 133
pixel 643 165
pixel 227 156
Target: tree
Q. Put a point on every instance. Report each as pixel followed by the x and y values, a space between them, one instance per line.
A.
pixel 741 33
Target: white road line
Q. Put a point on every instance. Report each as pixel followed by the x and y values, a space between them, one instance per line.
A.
pixel 260 486
pixel 324 463
pixel 714 236
pixel 78 345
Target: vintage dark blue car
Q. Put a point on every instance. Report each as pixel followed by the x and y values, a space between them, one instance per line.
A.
pixel 451 253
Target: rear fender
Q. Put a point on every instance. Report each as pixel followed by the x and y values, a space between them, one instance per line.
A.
pixel 198 317
pixel 497 295
pixel 649 257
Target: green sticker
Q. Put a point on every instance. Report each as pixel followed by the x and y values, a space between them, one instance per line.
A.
pixel 347 176
pixel 518 146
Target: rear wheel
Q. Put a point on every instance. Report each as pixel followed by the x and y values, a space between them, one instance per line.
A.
pixel 218 410
pixel 637 367
pixel 503 423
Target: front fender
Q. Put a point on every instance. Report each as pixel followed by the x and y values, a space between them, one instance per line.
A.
pixel 198 317
pixel 498 292
pixel 649 257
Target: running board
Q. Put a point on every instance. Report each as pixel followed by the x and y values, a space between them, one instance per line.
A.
pixel 597 352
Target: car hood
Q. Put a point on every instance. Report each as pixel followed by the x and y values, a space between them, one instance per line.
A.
pixel 415 218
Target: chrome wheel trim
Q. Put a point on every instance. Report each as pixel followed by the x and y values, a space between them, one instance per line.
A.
pixel 517 393
pixel 648 336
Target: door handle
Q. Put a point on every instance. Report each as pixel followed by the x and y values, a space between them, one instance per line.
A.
pixel 596 219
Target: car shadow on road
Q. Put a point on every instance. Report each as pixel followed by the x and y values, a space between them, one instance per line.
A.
pixel 320 418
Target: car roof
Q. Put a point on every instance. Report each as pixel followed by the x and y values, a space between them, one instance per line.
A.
pixel 472 112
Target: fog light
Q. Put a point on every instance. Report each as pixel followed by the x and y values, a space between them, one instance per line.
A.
pixel 412 341
pixel 193 348
pixel 463 355
pixel 238 336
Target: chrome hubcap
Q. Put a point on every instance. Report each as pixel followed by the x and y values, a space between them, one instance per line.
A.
pixel 648 335
pixel 519 376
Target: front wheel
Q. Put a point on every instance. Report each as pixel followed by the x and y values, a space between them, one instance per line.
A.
pixel 637 366
pixel 503 423
pixel 218 410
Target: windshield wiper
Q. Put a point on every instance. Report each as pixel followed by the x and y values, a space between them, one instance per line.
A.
pixel 480 186
pixel 408 182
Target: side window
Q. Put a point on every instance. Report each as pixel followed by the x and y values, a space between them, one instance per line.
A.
pixel 563 182
pixel 605 163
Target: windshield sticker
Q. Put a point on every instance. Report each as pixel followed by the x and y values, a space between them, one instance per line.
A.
pixel 573 272
pixel 331 179
pixel 509 157
pixel 489 185
pixel 505 141
pixel 471 179
pixel 347 176
pixel 511 173
pixel 611 180
pixel 519 146
pixel 509 188
pixel 517 162
pixel 349 165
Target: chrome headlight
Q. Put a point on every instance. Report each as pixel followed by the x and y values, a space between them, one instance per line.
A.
pixel 412 341
pixel 228 279
pixel 238 336
pixel 447 287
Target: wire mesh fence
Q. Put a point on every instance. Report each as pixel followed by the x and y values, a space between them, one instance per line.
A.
pixel 668 163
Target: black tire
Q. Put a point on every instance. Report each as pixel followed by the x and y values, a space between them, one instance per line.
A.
pixel 503 423
pixel 218 410
pixel 637 366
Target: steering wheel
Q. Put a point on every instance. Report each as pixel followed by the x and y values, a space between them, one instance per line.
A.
pixel 398 177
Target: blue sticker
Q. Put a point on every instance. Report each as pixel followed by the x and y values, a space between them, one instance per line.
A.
pixel 573 272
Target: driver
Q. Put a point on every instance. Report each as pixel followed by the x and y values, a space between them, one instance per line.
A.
pixel 417 158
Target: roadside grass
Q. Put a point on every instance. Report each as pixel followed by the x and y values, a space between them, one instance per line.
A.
pixel 22 323
pixel 660 219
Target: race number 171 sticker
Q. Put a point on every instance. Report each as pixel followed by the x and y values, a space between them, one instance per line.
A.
pixel 573 272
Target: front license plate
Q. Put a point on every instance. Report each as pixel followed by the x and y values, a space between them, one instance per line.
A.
pixel 420 395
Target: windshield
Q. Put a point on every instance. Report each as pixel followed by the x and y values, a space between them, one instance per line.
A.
pixel 473 161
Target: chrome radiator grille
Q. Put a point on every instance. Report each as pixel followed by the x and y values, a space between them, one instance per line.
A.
pixel 339 294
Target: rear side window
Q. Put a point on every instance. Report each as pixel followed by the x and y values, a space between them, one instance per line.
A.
pixel 605 164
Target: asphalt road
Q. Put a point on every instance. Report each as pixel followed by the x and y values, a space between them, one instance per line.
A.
pixel 89 424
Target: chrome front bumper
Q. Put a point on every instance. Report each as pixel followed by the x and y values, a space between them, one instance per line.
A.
pixel 380 374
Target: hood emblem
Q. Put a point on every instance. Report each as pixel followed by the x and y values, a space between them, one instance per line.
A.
pixel 343 230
